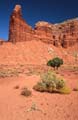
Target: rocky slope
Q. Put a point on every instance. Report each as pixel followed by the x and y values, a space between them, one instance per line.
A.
pixel 33 52
pixel 64 34
pixel 36 46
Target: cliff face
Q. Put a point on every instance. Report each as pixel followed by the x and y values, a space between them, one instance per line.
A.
pixel 64 34
pixel 19 30
pixel 67 32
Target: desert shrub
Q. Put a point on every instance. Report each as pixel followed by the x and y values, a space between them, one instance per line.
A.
pixel 40 87
pixel 51 83
pixel 60 83
pixel 55 62
pixel 50 79
pixel 26 92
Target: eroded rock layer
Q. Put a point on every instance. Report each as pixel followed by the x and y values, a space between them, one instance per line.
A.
pixel 64 34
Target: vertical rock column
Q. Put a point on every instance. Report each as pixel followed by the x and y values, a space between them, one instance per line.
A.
pixel 19 30
pixel 14 24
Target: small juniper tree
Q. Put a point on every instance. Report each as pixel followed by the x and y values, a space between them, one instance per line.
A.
pixel 55 62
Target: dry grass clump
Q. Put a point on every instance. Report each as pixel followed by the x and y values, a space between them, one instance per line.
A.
pixel 65 90
pixel 8 73
pixel 51 83
pixel 26 92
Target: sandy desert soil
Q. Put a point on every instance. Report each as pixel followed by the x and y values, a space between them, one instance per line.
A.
pixel 14 106
pixel 29 60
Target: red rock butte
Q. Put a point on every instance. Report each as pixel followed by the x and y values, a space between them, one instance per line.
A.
pixel 64 34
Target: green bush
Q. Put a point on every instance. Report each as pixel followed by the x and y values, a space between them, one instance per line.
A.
pixel 55 62
pixel 51 83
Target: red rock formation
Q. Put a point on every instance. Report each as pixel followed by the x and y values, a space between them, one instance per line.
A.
pixel 19 30
pixel 64 34
pixel 68 32
pixel 43 31
pixel 1 42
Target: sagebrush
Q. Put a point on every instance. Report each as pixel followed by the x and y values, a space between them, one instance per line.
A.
pixel 51 83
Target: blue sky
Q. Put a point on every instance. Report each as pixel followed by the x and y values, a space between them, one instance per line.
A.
pixel 53 11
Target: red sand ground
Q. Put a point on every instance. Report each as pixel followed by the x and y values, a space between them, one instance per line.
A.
pixel 14 106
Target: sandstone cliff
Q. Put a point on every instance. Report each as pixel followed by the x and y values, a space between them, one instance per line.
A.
pixel 19 30
pixel 64 34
